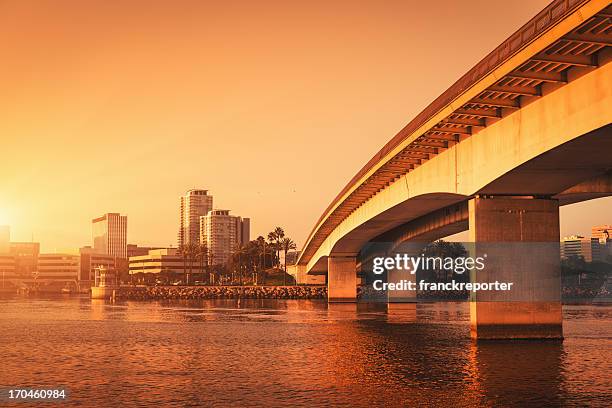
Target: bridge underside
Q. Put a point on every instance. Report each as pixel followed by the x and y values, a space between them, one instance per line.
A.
pixel 525 131
pixel 521 206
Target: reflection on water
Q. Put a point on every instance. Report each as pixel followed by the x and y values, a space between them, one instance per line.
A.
pixel 270 353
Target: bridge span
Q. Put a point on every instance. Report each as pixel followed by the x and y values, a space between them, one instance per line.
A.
pixel 527 130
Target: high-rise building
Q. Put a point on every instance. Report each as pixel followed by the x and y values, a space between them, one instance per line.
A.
pixel 5 239
pixel 578 246
pixel 109 235
pixel 223 233
pixel 194 204
pixel 245 231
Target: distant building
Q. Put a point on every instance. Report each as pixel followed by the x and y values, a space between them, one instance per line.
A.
pixel 90 260
pixel 157 261
pixel 292 257
pixel 302 278
pixel 578 246
pixel 245 231
pixel 194 204
pixel 135 250
pixel 5 239
pixel 26 258
pixel 223 233
pixel 7 269
pixel 603 233
pixel 59 267
pixel 109 235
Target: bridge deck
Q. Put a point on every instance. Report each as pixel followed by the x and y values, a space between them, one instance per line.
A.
pixel 575 52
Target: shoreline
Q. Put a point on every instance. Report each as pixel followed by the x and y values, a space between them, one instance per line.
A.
pixel 221 292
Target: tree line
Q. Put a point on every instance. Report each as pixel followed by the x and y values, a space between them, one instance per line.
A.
pixel 249 261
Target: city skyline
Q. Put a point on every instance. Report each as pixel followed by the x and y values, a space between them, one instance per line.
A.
pixel 590 211
pixel 129 124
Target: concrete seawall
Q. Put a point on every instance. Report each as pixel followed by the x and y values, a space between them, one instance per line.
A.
pixel 222 292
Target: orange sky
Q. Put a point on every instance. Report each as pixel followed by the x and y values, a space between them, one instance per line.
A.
pixel 121 106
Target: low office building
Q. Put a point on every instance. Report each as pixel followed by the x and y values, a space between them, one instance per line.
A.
pixel 158 261
pixel 135 250
pixel 603 233
pixel 90 260
pixel 58 267
pixel 5 239
pixel 26 258
pixel 577 246
pixel 7 271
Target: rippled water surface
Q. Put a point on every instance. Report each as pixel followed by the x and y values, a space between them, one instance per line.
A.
pixel 295 353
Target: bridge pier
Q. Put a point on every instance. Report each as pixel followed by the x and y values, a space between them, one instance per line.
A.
pixel 521 239
pixel 410 248
pixel 341 279
pixel 401 296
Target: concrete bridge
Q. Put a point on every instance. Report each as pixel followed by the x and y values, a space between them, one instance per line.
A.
pixel 523 132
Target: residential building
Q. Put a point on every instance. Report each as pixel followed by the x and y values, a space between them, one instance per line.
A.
pixel 194 204
pixel 223 233
pixel 109 234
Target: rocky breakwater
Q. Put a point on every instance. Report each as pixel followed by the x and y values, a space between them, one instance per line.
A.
pixel 223 292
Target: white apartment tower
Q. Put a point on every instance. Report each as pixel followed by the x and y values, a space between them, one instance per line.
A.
pixel 223 233
pixel 194 204
pixel 109 235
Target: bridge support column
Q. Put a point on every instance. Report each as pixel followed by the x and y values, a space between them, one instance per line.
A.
pixel 341 279
pixel 398 276
pixel 411 248
pixel 521 239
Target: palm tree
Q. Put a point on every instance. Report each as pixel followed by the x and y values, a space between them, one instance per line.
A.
pixel 184 253
pixel 276 237
pixel 202 252
pixel 192 253
pixel 211 264
pixel 287 245
pixel 272 239
pixel 241 255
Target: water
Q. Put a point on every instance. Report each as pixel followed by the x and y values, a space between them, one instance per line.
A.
pixel 294 353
